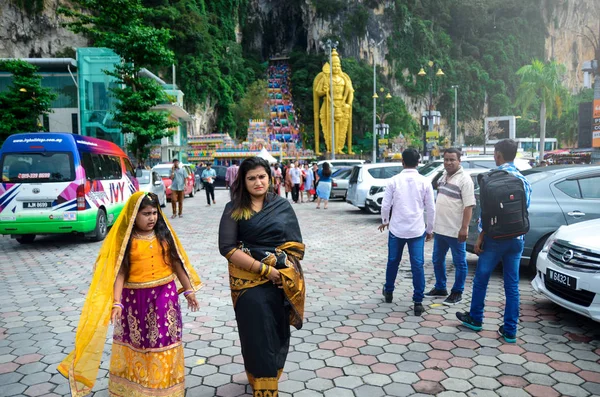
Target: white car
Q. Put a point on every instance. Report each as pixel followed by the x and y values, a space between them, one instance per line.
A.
pixel 432 169
pixel 568 268
pixel 366 181
pixel 150 181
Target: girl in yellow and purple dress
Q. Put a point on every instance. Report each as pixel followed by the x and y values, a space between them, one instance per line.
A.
pixel 138 276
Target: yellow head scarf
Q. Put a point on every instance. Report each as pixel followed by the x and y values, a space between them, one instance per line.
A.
pixel 81 365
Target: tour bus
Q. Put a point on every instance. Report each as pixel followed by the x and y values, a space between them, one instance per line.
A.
pixel 57 183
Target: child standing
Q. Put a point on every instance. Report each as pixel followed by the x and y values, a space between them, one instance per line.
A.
pixel 134 287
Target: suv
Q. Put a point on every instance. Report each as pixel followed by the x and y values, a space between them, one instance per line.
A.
pixel 367 183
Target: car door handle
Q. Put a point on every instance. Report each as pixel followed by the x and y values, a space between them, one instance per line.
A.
pixel 576 214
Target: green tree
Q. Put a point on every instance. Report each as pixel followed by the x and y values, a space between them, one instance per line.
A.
pixel 120 25
pixel 542 83
pixel 253 105
pixel 24 101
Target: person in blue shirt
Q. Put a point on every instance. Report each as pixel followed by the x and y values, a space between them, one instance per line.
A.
pixel 491 252
pixel 324 186
pixel 208 177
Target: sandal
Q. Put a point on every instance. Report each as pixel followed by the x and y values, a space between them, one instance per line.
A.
pixel 173 216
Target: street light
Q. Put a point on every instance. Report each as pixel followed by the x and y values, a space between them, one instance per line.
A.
pixel 422 73
pixel 375 103
pixel 454 137
pixel 330 45
pixel 382 128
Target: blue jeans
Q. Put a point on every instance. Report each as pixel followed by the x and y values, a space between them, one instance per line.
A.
pixel 416 248
pixel 494 251
pixel 441 245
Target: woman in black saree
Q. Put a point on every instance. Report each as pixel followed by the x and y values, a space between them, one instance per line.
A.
pixel 260 237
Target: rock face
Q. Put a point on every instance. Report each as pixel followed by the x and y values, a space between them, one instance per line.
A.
pixel 276 27
pixel 566 21
pixel 34 36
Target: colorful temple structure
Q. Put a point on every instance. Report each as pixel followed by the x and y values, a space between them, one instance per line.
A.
pixel 279 134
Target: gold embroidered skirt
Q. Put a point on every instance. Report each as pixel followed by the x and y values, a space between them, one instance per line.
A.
pixel 147 354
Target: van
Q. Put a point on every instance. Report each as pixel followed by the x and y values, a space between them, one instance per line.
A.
pixel 58 183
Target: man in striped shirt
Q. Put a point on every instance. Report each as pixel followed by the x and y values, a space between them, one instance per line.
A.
pixel 491 252
pixel 453 209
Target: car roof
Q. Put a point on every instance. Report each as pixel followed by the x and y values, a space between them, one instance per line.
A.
pixel 377 165
pixel 563 168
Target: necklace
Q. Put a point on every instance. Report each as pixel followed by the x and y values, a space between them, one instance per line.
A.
pixel 147 237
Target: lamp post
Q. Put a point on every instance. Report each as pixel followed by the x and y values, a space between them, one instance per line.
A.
pixel 382 128
pixel 454 137
pixel 330 45
pixel 375 103
pixel 423 73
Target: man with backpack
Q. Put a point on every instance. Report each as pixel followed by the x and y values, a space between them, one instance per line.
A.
pixel 504 199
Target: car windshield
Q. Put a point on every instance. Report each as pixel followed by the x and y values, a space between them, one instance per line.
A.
pixel 429 168
pixel 163 172
pixel 143 177
pixel 37 167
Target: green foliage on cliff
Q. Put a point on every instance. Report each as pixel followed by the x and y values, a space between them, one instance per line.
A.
pixel 24 101
pixel 211 68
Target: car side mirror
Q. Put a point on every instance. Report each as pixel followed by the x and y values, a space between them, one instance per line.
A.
pixel 157 183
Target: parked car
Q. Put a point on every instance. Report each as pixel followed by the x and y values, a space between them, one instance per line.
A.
pixel 197 180
pixel 485 162
pixel 561 195
pixel 219 181
pixel 164 170
pixel 366 180
pixel 60 183
pixel 568 268
pixel 150 181
pixel 339 182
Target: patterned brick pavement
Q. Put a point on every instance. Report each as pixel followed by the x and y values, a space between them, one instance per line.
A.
pixel 352 343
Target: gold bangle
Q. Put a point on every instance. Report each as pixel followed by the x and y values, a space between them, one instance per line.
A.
pixel 265 270
pixel 268 270
pixel 252 265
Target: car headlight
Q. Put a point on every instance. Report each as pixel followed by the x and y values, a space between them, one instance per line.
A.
pixel 550 241
pixel 376 189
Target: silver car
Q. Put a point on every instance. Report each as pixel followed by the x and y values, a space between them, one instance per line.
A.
pixel 150 181
pixel 339 186
pixel 561 195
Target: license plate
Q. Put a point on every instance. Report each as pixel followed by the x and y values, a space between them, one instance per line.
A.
pixel 562 279
pixel 37 204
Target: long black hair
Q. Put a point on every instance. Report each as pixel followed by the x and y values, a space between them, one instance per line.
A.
pixel 163 235
pixel 326 170
pixel 240 197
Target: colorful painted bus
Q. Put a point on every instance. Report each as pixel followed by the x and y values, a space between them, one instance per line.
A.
pixel 58 183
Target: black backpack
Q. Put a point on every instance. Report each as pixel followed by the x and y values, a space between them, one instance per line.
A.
pixel 503 204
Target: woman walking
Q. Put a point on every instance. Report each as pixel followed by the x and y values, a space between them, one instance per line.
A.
pixel 324 186
pixel 260 237
pixel 134 287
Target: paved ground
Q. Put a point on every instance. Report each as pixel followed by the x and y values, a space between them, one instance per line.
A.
pixel 352 343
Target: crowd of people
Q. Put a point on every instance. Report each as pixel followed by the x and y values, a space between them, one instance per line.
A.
pixel 142 267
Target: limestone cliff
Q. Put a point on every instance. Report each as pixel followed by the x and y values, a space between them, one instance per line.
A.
pixel 566 20
pixel 34 36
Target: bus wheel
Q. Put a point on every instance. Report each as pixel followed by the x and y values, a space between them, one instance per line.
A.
pixel 101 226
pixel 25 238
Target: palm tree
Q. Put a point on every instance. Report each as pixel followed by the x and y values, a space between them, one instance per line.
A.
pixel 542 83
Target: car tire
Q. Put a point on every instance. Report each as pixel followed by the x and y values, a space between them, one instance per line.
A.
pixel 101 226
pixel 371 210
pixel 25 238
pixel 531 269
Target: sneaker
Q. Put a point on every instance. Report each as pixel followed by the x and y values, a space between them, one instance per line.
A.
pixel 453 299
pixel 419 309
pixel 389 296
pixel 437 293
pixel 507 337
pixel 468 322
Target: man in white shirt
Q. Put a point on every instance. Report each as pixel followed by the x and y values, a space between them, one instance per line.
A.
pixel 453 211
pixel 409 193
pixel 296 181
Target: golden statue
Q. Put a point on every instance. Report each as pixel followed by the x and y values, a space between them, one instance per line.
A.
pixel 343 95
